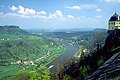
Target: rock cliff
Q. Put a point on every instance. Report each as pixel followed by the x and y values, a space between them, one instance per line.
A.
pixel 110 70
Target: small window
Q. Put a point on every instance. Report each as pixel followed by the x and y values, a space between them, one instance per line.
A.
pixel 112 23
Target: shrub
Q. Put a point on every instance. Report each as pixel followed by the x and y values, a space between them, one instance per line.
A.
pixel 67 77
pixel 85 70
pixel 100 62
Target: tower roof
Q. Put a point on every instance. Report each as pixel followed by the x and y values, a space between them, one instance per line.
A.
pixel 115 14
pixel 115 17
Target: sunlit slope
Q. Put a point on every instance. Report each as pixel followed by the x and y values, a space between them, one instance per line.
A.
pixel 19 52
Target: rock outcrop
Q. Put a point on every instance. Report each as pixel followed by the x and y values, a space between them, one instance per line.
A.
pixel 113 40
pixel 110 70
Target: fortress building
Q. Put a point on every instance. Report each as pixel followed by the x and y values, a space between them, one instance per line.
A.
pixel 114 23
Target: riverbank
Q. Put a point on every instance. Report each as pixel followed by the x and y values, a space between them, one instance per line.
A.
pixel 69 52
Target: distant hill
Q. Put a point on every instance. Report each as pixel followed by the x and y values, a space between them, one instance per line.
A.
pixel 100 30
pixel 66 35
pixel 12 30
pixel 72 30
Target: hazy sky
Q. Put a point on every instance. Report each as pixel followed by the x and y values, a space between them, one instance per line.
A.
pixel 57 14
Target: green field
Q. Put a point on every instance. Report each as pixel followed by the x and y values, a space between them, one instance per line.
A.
pixel 21 52
pixel 9 70
pixel 12 36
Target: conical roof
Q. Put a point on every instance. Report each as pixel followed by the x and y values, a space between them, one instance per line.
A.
pixel 115 17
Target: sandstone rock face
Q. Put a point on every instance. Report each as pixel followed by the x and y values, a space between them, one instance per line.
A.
pixel 110 70
pixel 112 40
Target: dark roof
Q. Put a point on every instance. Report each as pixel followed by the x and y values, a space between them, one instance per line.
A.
pixel 115 14
pixel 115 17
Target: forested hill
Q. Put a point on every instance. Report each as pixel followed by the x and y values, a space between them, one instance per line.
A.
pixel 12 30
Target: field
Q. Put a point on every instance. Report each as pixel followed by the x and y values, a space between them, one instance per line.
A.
pixel 23 52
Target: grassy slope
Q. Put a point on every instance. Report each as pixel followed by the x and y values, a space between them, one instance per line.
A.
pixel 25 48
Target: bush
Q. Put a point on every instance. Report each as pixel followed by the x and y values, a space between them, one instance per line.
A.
pixel 100 62
pixel 85 70
pixel 67 77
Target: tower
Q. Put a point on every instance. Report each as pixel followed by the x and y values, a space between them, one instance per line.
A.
pixel 114 22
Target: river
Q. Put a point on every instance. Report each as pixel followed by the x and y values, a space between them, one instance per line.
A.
pixel 69 52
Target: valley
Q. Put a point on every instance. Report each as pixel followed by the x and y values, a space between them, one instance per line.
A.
pixel 24 52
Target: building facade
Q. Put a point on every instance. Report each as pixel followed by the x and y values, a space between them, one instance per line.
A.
pixel 114 22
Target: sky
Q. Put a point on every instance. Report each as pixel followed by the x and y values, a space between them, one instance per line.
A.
pixel 57 14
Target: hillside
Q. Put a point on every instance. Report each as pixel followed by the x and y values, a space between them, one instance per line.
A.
pixel 20 51
pixel 12 30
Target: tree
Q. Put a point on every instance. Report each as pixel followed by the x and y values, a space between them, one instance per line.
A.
pixel 41 74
